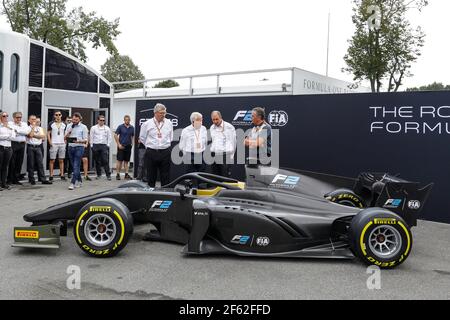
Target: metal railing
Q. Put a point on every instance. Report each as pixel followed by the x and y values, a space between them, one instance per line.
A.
pixel 286 88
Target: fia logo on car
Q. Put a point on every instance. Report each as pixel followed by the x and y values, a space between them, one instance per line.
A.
pixel 238 239
pixel 263 241
pixel 161 205
pixel 393 203
pixel 414 204
pixel 283 181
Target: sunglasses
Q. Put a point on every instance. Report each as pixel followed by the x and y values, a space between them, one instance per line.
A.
pixel 58 115
pixel 5 116
pixel 102 120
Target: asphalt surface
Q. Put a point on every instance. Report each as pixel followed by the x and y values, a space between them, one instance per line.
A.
pixel 146 270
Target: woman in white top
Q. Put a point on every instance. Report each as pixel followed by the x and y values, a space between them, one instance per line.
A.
pixel 6 135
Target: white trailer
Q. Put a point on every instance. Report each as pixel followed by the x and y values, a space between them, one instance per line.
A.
pixel 38 79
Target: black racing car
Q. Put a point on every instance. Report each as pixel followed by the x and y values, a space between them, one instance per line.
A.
pixel 275 213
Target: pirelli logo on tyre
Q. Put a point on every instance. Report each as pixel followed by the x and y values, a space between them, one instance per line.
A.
pixel 389 221
pixel 96 252
pixel 99 209
pixel 26 234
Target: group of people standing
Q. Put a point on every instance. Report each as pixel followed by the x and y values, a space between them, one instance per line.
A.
pixel 67 140
pixel 156 137
pixel 72 139
pixel 15 137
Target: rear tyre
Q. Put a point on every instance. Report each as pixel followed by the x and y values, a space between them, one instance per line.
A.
pixel 102 228
pixel 346 197
pixel 380 237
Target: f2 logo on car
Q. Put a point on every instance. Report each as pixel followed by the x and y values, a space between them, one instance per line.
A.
pixel 290 180
pixel 238 239
pixel 393 203
pixel 162 204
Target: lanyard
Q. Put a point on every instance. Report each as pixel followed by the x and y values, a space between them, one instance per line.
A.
pixel 197 136
pixel 158 128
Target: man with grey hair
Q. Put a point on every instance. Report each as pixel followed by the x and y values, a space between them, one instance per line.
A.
pixel 157 136
pixel 259 141
pixel 193 142
pixel 223 146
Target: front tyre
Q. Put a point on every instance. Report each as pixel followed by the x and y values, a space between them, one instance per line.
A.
pixel 102 228
pixel 380 237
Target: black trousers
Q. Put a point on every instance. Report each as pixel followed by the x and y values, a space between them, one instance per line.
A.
pixel 221 166
pixel 100 153
pixel 191 164
pixel 158 160
pixel 142 170
pixel 15 165
pixel 35 162
pixel 5 157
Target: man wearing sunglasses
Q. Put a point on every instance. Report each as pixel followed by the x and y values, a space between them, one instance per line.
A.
pixel 18 145
pixel 55 136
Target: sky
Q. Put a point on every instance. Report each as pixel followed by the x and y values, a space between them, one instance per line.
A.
pixel 178 37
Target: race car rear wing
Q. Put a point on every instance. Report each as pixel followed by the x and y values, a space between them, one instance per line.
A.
pixel 403 197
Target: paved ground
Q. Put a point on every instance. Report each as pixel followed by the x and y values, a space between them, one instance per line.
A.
pixel 158 271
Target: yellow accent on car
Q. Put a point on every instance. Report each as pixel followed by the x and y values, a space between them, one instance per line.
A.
pixel 100 209
pixel 385 221
pixel 26 234
pixel 122 225
pixel 78 226
pixel 215 191
pixel 361 240
pixel 407 236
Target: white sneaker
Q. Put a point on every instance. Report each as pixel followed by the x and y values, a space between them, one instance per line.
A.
pixel 78 184
pixel 71 187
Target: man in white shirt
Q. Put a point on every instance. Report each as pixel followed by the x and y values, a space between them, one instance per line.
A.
pixel 193 142
pixel 157 135
pixel 100 139
pixel 55 136
pixel 36 136
pixel 223 146
pixel 6 135
pixel 18 145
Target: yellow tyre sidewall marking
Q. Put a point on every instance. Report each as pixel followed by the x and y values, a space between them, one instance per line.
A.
pixel 362 245
pixel 78 226
pixel 407 236
pixel 118 217
pixel 361 240
pixel 355 200
pixel 122 226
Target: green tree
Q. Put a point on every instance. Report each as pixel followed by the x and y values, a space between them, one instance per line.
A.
pixel 121 68
pixel 384 45
pixel 50 21
pixel 167 84
pixel 435 86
